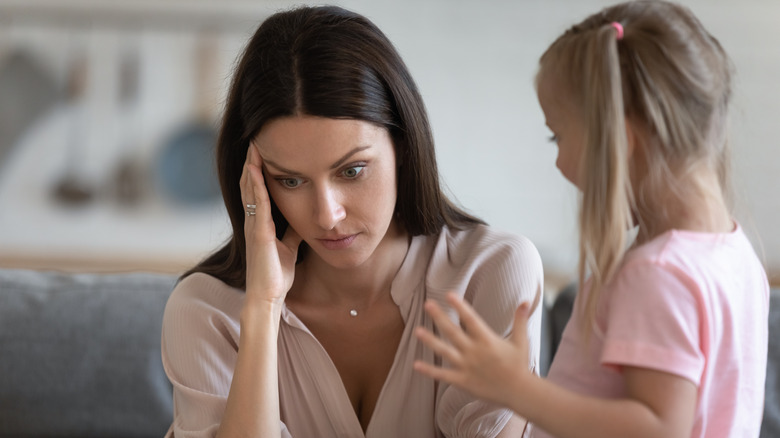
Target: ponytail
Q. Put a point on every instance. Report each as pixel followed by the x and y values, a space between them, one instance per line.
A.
pixel 605 213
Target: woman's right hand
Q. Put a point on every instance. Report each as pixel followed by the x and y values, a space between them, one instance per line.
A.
pixel 252 407
pixel 270 262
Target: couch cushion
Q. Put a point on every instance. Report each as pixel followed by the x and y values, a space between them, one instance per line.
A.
pixel 80 354
pixel 770 428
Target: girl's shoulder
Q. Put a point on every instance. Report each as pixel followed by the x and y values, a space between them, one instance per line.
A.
pixel 684 247
pixel 697 260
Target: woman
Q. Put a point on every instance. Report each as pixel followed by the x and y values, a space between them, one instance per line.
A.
pixel 302 324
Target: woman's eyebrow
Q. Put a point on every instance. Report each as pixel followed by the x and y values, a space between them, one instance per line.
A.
pixel 347 155
pixel 339 162
pixel 267 162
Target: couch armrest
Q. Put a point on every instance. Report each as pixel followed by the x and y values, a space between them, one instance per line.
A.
pixel 80 354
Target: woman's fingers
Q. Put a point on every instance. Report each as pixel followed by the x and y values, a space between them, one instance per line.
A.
pixel 245 183
pixel 254 192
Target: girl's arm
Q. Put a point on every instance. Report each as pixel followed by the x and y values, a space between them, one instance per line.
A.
pixel 252 408
pixel 656 403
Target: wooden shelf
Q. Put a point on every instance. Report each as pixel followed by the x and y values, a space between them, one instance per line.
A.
pixel 97 263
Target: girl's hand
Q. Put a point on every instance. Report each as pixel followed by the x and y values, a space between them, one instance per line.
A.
pixel 270 262
pixel 480 361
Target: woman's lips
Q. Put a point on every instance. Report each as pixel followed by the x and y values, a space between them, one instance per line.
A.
pixel 338 243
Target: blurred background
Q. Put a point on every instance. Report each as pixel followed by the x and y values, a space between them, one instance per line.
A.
pixel 108 112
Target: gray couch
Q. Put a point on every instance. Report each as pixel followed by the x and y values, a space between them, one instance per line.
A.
pixel 80 354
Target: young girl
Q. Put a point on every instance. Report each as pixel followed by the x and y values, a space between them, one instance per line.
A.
pixel 668 336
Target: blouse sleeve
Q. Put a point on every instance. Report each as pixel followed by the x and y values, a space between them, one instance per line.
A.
pixel 200 335
pixel 495 272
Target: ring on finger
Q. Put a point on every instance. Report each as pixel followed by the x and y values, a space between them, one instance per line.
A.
pixel 250 209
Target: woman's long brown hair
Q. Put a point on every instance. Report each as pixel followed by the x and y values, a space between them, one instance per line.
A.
pixel 326 62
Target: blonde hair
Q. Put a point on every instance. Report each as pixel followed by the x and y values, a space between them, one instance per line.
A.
pixel 671 80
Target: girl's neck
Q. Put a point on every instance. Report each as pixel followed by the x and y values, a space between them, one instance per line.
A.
pixel 360 286
pixel 703 210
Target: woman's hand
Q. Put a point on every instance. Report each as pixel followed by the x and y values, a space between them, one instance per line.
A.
pixel 270 262
pixel 480 361
pixel 252 407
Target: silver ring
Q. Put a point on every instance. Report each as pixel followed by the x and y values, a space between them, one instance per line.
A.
pixel 250 209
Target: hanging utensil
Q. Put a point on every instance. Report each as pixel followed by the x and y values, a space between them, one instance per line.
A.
pixel 185 166
pixel 27 89
pixel 128 177
pixel 72 189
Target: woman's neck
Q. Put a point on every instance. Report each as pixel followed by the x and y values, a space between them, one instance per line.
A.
pixel 360 286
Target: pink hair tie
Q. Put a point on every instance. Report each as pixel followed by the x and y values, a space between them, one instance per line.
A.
pixel 619 28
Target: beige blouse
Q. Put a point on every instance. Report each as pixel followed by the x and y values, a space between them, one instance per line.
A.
pixel 494 271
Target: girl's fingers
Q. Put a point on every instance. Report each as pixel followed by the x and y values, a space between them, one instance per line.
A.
pixel 439 347
pixel 434 372
pixel 474 324
pixel 522 313
pixel 520 327
pixel 537 300
pixel 448 329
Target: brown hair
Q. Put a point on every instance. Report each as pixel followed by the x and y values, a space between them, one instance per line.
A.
pixel 327 62
pixel 672 80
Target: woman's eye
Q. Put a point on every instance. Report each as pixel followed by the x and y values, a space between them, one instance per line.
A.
pixel 290 183
pixel 353 172
pixel 553 139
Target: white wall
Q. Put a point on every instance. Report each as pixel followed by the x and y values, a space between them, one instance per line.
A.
pixel 474 62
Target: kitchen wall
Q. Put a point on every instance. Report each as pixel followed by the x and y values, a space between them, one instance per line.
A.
pixel 474 62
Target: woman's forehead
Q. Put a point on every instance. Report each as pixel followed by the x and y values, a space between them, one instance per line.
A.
pixel 298 137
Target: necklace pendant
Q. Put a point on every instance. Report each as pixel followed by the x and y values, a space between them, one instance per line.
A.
pixel 353 312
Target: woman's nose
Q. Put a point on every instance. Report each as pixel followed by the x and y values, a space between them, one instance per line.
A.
pixel 329 209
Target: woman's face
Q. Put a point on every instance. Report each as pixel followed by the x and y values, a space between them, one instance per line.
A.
pixel 334 180
pixel 567 126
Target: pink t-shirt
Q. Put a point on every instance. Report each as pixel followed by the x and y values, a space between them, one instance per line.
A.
pixel 691 304
pixel 492 270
